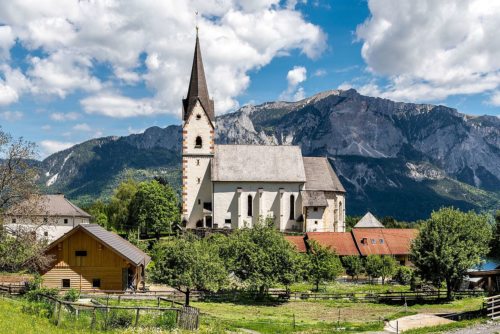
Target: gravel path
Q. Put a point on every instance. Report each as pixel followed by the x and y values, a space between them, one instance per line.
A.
pixel 491 327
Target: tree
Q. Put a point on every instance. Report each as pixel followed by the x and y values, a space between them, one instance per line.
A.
pixel 323 264
pixel 495 241
pixel 98 211
pixel 373 266
pixel 188 263
pixel 404 275
pixel 450 243
pixel 353 266
pixel 261 257
pixel 388 268
pixel 118 208
pixel 154 207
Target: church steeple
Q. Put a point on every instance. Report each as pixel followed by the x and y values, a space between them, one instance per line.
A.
pixel 198 90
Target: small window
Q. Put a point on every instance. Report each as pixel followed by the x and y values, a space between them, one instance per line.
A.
pixel 199 201
pixel 292 207
pixel 198 180
pixel 373 242
pixel 14 220
pixel 45 220
pixel 66 283
pixel 198 116
pixel 315 222
pixel 227 221
pixel 65 220
pixel 81 253
pixel 364 241
pixel 249 206
pixel 96 282
pixel 198 143
pixel 45 234
pixel 381 241
pixel 197 162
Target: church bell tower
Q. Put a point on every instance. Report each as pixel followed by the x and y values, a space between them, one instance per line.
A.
pixel 197 147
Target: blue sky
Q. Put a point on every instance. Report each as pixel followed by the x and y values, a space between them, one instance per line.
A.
pixel 89 69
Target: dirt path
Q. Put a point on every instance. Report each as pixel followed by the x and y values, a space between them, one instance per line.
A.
pixel 491 327
pixel 415 321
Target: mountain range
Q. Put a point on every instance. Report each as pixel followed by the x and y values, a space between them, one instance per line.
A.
pixel 394 159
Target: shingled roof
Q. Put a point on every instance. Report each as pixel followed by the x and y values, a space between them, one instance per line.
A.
pixel 313 198
pixel 111 240
pixel 320 175
pixel 48 205
pixel 198 89
pixel 384 241
pixel 257 163
pixel 342 242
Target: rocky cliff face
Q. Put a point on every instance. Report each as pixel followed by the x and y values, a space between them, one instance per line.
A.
pixel 394 158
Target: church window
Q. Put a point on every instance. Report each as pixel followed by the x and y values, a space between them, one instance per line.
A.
pixel 292 207
pixel 249 204
pixel 197 162
pixel 198 180
pixel 198 116
pixel 199 201
pixel 315 222
pixel 198 143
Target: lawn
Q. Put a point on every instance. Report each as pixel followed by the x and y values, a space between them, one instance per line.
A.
pixel 342 287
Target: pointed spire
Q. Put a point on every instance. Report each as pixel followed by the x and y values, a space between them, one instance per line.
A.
pixel 198 90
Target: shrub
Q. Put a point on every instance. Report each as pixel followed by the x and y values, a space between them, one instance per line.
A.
pixel 404 275
pixel 36 295
pixel 119 319
pixel 72 295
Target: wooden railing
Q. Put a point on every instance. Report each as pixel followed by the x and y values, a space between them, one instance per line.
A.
pixel 13 288
pixel 493 307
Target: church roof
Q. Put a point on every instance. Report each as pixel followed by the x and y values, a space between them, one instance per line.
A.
pixel 313 198
pixel 368 221
pixel 257 163
pixel 320 175
pixel 198 89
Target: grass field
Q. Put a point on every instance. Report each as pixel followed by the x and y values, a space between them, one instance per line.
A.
pixel 291 317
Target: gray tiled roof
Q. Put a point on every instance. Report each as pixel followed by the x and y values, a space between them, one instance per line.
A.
pixel 117 243
pixel 313 198
pixel 112 241
pixel 320 175
pixel 49 205
pixel 368 221
pixel 263 163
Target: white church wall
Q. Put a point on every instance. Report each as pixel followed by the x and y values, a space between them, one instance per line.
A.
pixel 226 197
pixel 314 220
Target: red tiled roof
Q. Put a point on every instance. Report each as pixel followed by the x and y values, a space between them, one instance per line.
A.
pixel 297 241
pixel 384 241
pixel 341 242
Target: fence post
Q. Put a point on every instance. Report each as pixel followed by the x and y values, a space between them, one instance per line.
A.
pixel 294 321
pixel 137 317
pixel 92 323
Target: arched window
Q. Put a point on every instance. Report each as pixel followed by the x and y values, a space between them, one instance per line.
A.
pixel 249 206
pixel 340 211
pixel 292 207
pixel 198 142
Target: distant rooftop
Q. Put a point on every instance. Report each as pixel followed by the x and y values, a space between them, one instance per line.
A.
pixel 369 221
pixel 48 205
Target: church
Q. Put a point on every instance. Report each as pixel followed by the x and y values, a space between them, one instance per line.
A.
pixel 234 186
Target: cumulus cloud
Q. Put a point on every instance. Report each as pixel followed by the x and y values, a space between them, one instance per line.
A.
pixel 82 127
pixel 118 106
pixel 61 117
pixel 295 77
pixel 11 116
pixel 151 43
pixel 52 146
pixel 429 49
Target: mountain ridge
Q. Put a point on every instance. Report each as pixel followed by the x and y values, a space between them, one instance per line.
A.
pixel 394 158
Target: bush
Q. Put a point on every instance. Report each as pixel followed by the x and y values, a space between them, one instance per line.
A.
pixel 72 295
pixel 120 319
pixel 36 295
pixel 404 275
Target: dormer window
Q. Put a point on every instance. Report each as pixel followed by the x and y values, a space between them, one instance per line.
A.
pixel 198 143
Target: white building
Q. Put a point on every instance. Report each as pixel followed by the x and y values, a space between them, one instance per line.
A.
pixel 50 216
pixel 232 186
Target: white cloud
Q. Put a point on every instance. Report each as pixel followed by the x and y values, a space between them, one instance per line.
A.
pixel 237 36
pixel 61 117
pixel 132 130
pixel 295 76
pixel 319 73
pixel 430 50
pixel 495 99
pixel 82 127
pixel 11 116
pixel 118 106
pixel 53 146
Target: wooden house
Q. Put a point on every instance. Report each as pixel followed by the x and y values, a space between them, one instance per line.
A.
pixel 91 258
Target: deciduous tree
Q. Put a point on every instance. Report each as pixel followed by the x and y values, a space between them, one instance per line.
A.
pixel 353 266
pixel 323 264
pixel 118 207
pixel 450 243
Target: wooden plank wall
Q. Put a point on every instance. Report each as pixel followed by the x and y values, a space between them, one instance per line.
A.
pixel 100 262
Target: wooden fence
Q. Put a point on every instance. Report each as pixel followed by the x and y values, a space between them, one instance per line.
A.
pixel 13 288
pixel 186 317
pixel 493 307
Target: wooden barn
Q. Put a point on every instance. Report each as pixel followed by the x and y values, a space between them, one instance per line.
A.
pixel 91 258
